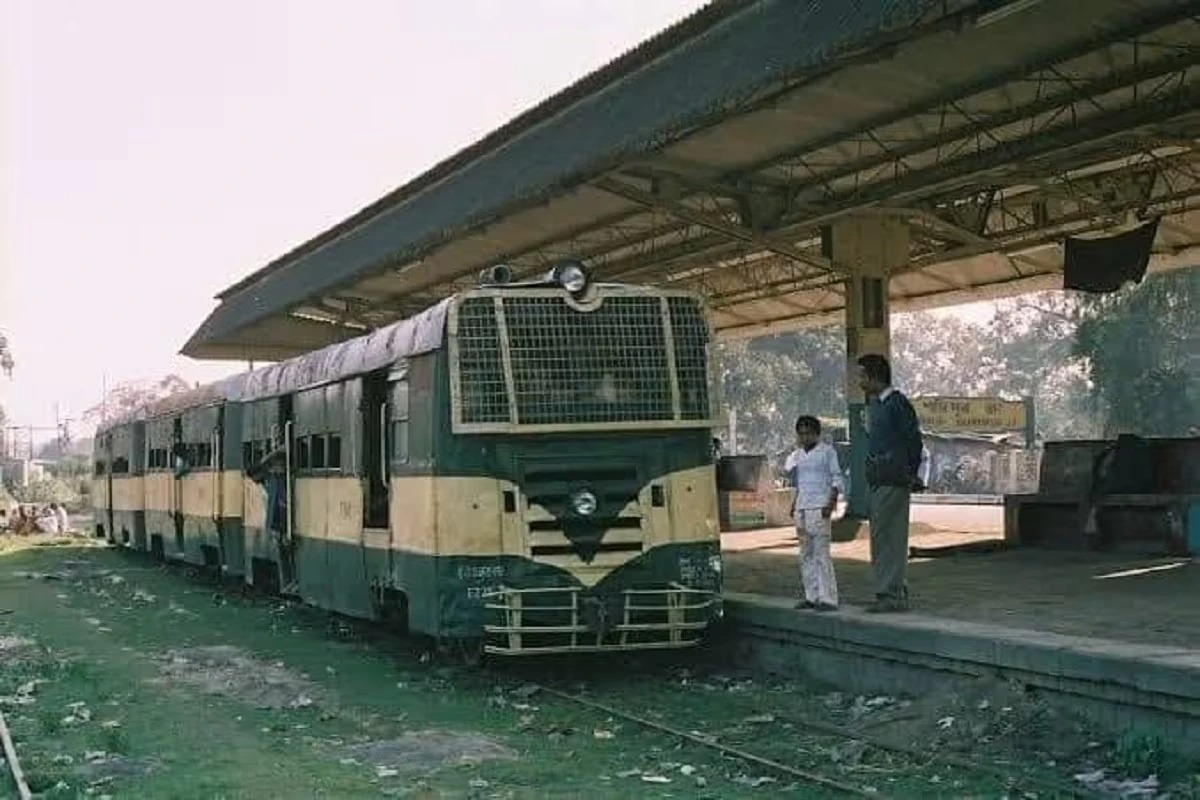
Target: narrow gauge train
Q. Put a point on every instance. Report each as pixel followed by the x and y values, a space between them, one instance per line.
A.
pixel 522 468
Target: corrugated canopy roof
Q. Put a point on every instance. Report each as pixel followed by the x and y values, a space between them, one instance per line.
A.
pixel 710 157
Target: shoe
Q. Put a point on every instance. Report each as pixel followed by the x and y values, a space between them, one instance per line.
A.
pixel 805 604
pixel 826 607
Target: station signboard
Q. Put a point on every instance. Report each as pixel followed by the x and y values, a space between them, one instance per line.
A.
pixel 971 414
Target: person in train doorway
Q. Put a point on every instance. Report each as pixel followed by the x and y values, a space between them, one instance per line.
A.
pixel 894 446
pixel 271 472
pixel 815 475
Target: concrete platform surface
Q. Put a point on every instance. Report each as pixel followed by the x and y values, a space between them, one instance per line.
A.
pixel 1121 598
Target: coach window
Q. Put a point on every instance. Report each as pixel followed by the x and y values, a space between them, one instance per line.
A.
pixel 318 451
pixel 303 453
pixel 400 421
pixel 333 456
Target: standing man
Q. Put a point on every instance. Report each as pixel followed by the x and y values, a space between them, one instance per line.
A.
pixel 893 458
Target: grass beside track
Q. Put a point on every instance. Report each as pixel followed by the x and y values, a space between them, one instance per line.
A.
pixel 99 708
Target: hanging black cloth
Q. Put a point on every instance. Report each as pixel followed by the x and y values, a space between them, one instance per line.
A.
pixel 1105 265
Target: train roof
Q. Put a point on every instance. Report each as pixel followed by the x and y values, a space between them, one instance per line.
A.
pixel 420 333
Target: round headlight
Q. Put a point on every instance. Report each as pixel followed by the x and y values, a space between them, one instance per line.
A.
pixel 572 278
pixel 496 274
pixel 584 503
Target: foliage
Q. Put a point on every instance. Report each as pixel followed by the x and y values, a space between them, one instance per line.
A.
pixel 54 449
pixel 129 396
pixel 47 490
pixel 1025 350
pixel 6 359
pixel 6 366
pixel 771 381
pixel 1142 349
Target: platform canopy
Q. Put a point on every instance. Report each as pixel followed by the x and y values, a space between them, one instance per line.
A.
pixel 712 156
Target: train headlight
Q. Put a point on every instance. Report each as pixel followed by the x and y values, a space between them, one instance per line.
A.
pixel 571 277
pixel 584 503
pixel 496 275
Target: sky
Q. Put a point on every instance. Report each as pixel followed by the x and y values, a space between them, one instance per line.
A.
pixel 153 153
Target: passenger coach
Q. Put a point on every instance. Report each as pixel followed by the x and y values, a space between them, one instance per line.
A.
pixel 523 467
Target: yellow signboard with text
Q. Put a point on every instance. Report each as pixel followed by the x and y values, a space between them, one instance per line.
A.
pixel 960 414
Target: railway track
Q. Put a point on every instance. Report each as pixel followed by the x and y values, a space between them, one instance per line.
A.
pixel 913 758
pixel 919 758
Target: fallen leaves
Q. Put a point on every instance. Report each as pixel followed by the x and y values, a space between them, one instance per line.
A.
pixel 1099 781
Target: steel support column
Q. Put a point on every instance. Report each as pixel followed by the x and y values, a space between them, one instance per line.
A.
pixel 870 248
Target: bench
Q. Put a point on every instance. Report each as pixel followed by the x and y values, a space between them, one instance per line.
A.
pixel 1148 502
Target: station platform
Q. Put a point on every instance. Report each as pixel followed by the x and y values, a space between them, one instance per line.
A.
pixel 1114 636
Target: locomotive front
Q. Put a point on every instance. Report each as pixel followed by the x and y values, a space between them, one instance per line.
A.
pixel 590 406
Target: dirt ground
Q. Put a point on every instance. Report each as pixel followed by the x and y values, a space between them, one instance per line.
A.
pixel 1111 596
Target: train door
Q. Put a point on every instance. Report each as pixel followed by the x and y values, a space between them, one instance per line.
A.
pixel 178 468
pixel 215 461
pixel 375 470
pixel 108 482
pixel 286 519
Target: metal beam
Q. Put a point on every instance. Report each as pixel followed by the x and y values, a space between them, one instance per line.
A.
pixel 712 222
pixel 1147 23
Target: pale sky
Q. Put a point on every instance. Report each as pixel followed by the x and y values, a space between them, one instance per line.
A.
pixel 152 153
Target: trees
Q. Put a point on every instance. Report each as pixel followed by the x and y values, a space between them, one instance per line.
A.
pixel 1141 347
pixel 1025 350
pixel 130 395
pixel 48 490
pixel 6 366
pixel 1036 334
pixel 772 380
pixel 6 359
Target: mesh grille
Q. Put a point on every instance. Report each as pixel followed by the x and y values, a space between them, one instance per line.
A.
pixel 480 364
pixel 691 356
pixel 609 365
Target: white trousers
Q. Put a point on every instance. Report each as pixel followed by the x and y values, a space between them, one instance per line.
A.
pixel 816 564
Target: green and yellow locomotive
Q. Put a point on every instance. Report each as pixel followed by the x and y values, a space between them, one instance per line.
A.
pixel 523 467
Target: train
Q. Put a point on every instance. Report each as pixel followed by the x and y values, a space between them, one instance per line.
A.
pixel 523 468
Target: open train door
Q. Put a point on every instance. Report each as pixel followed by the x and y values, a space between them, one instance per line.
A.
pixel 285 501
pixel 178 469
pixel 109 513
pixel 376 476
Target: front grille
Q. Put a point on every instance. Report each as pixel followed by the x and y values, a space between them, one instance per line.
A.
pixel 612 535
pixel 690 335
pixel 533 359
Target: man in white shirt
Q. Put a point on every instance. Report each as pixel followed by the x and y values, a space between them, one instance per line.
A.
pixel 64 519
pixel 815 475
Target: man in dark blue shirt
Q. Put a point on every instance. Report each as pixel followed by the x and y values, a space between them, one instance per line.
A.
pixel 893 459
